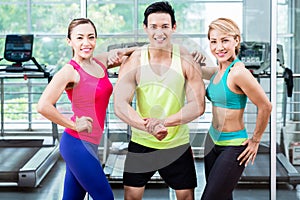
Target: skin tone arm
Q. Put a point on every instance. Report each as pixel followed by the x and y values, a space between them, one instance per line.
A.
pixel 195 94
pixel 51 95
pixel 249 85
pixel 115 57
pixel 123 94
pixel 124 91
pixel 207 72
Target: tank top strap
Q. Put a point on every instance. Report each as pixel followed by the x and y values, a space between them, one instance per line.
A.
pixel 101 64
pixel 144 55
pixel 176 59
pixel 74 64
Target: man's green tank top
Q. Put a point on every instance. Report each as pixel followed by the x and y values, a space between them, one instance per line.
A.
pixel 159 97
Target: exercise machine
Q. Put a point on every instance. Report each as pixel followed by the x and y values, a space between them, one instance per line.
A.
pixel 25 160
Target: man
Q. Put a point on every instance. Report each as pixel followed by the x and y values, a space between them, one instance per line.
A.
pixel 161 75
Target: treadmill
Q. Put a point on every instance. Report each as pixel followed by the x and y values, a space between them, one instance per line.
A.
pixel 256 56
pixel 24 160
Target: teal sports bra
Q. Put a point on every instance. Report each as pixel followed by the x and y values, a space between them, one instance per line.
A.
pixel 221 96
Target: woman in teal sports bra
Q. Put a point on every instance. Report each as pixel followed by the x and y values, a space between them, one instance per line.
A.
pixel 227 147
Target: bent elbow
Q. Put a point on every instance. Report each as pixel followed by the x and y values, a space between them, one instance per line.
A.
pixel 266 108
pixel 199 112
pixel 269 107
pixel 39 108
pixel 117 110
pixel 201 109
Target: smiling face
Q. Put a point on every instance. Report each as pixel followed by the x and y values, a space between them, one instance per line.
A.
pixel 159 29
pixel 223 46
pixel 83 41
pixel 224 38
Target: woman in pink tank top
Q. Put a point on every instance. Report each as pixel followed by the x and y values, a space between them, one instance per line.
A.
pixel 85 80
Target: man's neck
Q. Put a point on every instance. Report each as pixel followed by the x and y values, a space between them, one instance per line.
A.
pixel 157 53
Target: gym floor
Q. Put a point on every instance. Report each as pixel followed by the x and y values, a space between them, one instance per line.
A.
pixel 52 186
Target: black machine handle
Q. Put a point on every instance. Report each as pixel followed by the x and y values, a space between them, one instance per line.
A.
pixel 288 78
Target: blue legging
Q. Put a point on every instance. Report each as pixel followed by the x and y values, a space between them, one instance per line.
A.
pixel 84 172
pixel 222 170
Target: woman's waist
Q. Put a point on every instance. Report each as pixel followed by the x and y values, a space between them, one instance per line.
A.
pixel 227 112
pixel 93 137
pixel 228 125
pixel 228 120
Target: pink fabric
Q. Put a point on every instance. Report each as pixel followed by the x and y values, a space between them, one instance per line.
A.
pixel 90 97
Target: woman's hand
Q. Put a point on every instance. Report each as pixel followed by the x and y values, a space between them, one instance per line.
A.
pixel 249 154
pixel 83 124
pixel 199 58
pixel 115 56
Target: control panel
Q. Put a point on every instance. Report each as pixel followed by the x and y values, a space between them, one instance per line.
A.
pixel 18 48
pixel 256 56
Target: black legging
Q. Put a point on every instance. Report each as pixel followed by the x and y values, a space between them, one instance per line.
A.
pixel 222 170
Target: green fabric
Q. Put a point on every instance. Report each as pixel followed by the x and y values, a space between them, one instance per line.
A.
pixel 159 97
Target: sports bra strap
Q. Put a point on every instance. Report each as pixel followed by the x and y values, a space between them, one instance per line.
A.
pixel 231 64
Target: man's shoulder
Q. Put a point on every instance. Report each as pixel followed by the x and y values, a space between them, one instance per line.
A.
pixel 133 61
pixel 137 52
pixel 183 50
pixel 185 56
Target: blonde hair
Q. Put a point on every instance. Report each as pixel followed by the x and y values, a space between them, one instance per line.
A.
pixel 227 26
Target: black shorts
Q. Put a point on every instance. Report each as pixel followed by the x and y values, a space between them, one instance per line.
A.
pixel 176 166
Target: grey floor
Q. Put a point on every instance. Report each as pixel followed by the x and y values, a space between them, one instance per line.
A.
pixel 51 189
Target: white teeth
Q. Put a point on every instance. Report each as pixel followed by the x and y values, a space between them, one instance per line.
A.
pixel 85 50
pixel 160 39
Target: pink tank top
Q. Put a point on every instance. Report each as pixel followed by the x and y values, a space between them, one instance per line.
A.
pixel 90 98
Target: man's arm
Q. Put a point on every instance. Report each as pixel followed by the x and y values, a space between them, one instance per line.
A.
pixel 123 94
pixel 124 91
pixel 195 94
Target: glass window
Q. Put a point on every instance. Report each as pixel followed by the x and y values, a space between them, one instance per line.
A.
pixel 112 16
pixel 52 17
pixel 14 17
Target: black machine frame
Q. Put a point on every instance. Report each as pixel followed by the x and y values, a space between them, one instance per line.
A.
pixel 25 160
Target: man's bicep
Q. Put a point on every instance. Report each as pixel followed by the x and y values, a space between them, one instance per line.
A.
pixel 125 85
pixel 195 85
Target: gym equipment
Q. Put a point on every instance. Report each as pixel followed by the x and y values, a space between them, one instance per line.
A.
pixel 18 49
pixel 24 160
pixel 256 57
